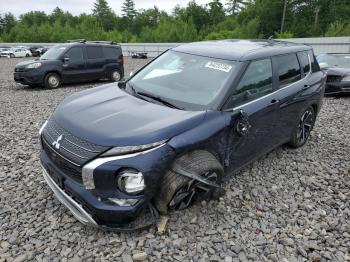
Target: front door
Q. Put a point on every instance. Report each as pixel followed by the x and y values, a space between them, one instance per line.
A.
pixel 74 68
pixel 254 95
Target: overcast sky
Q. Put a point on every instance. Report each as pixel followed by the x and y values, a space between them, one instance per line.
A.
pixel 76 7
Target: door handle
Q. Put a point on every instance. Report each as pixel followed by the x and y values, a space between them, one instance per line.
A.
pixel 274 101
pixel 305 87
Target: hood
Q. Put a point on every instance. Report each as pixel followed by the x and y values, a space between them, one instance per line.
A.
pixel 109 116
pixel 339 71
pixel 25 63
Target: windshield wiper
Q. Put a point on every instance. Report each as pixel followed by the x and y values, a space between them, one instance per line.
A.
pixel 159 99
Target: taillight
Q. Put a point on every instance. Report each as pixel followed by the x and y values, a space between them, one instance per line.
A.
pixel 121 59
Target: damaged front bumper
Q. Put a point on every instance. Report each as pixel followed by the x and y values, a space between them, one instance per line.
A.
pixel 93 206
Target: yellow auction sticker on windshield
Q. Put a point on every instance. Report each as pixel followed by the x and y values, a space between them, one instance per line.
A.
pixel 219 66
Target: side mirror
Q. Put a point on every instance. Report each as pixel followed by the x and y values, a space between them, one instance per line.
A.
pixel 66 59
pixel 121 84
pixel 240 122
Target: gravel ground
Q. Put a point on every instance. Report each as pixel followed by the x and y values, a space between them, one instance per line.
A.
pixel 291 205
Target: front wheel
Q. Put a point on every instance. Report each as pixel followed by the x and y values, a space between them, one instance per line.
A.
pixel 303 128
pixel 12 56
pixel 178 192
pixel 115 75
pixel 52 80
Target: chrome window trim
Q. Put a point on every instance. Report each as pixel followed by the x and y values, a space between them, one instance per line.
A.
pixel 89 168
pixel 250 102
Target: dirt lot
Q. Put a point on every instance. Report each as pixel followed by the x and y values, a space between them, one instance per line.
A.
pixel 291 205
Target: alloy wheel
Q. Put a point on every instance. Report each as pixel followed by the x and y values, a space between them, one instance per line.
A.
pixel 116 75
pixel 305 126
pixel 53 81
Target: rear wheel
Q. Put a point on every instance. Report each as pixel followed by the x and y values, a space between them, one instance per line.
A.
pixel 115 75
pixel 52 80
pixel 303 128
pixel 178 192
pixel 27 55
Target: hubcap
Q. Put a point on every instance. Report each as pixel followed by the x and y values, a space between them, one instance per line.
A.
pixel 187 194
pixel 305 127
pixel 116 76
pixel 53 81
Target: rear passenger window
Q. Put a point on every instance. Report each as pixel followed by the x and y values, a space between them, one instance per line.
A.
pixel 288 69
pixel 110 52
pixel 94 52
pixel 304 63
pixel 256 82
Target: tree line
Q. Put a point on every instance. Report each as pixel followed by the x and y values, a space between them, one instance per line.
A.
pixel 215 20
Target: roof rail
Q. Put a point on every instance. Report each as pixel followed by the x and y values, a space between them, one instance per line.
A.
pixel 102 42
pixel 76 40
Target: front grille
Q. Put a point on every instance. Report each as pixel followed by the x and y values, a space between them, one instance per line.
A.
pixel 333 78
pixel 19 69
pixel 64 165
pixel 73 148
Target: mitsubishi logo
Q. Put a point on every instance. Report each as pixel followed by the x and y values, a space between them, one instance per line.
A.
pixel 56 143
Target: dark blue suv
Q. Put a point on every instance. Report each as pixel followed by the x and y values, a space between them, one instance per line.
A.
pixel 165 137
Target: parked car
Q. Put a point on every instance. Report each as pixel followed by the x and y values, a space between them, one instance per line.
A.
pixel 337 68
pixel 16 52
pixel 2 49
pixel 166 136
pixel 72 62
pixel 39 51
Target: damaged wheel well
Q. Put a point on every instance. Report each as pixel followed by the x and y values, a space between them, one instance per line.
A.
pixel 194 165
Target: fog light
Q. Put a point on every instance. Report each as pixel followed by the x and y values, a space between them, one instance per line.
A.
pixel 131 182
pixel 123 202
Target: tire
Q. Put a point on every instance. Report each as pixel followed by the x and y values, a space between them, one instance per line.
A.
pixel 52 80
pixel 27 55
pixel 303 128
pixel 12 56
pixel 174 185
pixel 115 75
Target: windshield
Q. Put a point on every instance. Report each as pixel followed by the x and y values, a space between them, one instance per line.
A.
pixel 334 60
pixel 187 81
pixel 54 53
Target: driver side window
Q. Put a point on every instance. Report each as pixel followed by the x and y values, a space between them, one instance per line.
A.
pixel 256 82
pixel 75 54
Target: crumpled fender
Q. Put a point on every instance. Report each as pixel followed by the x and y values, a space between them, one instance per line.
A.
pixel 214 122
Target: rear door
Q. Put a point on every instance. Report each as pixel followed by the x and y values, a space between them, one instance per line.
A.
pixel 95 62
pixel 255 96
pixel 292 72
pixel 113 59
pixel 74 68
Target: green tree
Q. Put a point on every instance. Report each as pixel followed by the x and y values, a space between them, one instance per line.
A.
pixel 234 6
pixel 216 12
pixel 128 9
pixel 8 22
pixel 104 14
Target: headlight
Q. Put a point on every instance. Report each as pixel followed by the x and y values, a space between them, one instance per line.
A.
pixel 131 181
pixel 346 78
pixel 34 65
pixel 131 149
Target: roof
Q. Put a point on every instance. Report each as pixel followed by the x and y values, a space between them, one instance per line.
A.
pixel 241 50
